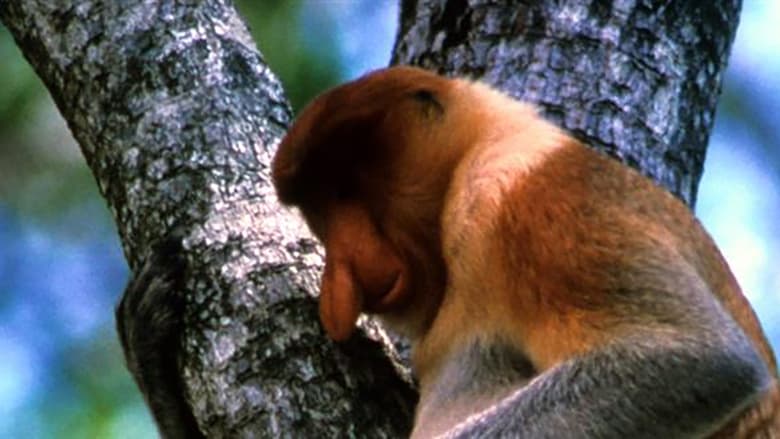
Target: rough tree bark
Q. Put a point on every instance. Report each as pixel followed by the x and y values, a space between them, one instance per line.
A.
pixel 177 114
pixel 638 80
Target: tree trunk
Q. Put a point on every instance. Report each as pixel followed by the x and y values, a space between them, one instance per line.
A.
pixel 177 115
pixel 637 80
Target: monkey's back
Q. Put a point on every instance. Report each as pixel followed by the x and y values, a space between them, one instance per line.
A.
pixel 761 419
pixel 618 242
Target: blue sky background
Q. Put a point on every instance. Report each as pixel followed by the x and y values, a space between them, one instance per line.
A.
pixel 62 270
pixel 739 196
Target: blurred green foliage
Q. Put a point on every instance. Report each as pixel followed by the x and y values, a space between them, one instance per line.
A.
pixel 304 70
pixel 20 91
pixel 31 173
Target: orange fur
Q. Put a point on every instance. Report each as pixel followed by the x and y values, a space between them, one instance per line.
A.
pixel 458 214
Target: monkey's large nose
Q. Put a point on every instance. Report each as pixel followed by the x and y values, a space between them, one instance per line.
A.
pixel 341 301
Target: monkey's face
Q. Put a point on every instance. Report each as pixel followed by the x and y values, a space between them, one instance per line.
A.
pixel 382 266
pixel 369 164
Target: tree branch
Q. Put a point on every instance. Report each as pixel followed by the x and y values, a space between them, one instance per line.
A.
pixel 176 114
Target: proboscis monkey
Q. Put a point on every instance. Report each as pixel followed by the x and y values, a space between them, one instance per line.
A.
pixel 548 291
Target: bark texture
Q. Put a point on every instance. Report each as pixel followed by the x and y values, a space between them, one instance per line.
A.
pixel 176 114
pixel 638 80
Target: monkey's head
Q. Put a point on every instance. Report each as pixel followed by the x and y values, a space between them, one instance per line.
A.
pixel 369 163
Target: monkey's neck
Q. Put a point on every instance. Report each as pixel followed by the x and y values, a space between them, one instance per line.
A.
pixel 469 380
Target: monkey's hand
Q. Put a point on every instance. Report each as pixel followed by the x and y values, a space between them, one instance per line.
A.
pixel 149 320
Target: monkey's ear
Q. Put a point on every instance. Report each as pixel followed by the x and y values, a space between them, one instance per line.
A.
pixel 431 105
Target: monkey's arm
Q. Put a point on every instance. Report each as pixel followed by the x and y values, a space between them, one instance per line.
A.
pixel 633 326
pixel 648 386
pixel 149 322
